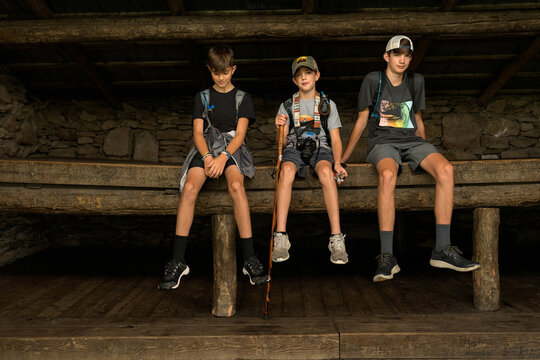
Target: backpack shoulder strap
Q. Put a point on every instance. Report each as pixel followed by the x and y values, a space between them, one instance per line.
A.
pixel 205 99
pixel 287 104
pixel 377 95
pixel 239 98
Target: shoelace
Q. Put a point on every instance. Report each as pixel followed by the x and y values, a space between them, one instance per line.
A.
pixel 384 259
pixel 338 243
pixel 279 240
pixel 254 265
pixel 171 268
pixel 453 251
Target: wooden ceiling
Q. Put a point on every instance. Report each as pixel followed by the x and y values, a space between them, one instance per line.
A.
pixel 135 48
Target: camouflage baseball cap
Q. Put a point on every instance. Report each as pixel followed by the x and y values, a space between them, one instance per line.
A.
pixel 307 61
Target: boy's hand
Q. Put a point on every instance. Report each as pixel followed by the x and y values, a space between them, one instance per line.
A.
pixel 207 162
pixel 340 171
pixel 217 166
pixel 281 120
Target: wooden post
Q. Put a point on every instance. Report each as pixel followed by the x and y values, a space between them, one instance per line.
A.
pixel 486 285
pixel 224 244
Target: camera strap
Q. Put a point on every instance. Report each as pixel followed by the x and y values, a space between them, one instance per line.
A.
pixel 316 114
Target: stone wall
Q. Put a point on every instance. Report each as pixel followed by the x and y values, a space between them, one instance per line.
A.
pixel 159 130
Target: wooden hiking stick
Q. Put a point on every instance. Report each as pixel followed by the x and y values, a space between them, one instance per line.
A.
pixel 274 220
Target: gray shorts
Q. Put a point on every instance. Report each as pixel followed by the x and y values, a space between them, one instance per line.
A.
pixel 413 153
pixel 293 155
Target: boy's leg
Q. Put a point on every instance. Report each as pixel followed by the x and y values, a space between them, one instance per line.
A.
pixel 387 161
pixel 252 266
pixel 284 192
pixel 186 207
pixel 286 179
pixel 444 255
pixel 336 243
pixel 330 194
pixel 176 268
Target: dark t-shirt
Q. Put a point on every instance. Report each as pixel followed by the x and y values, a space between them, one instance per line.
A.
pixel 397 122
pixel 224 116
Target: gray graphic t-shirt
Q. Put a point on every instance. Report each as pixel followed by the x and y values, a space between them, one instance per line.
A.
pixel 397 122
pixel 307 118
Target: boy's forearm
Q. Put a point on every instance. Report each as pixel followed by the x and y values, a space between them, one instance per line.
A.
pixel 200 143
pixel 337 148
pixel 355 136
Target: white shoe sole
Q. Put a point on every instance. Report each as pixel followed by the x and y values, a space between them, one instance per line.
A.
pixel 245 272
pixel 280 259
pixel 185 272
pixel 444 265
pixel 339 262
pixel 380 277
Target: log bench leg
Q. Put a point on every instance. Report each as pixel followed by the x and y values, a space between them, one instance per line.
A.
pixel 486 285
pixel 224 249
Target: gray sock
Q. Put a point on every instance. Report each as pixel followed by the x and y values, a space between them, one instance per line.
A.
pixel 387 238
pixel 442 237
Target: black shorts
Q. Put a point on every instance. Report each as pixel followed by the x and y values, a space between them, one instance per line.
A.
pixel 198 162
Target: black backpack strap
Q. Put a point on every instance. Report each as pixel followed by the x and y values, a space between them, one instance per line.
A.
pixel 205 99
pixel 377 96
pixel 287 104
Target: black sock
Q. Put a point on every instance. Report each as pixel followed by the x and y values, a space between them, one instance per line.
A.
pixel 247 247
pixel 442 237
pixel 179 249
pixel 387 238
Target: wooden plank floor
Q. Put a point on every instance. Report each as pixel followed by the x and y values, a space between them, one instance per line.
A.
pixel 104 304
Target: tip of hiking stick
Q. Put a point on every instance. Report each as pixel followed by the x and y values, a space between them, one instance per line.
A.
pixel 265 317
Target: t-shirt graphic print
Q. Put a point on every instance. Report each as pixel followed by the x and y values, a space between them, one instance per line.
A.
pixel 395 114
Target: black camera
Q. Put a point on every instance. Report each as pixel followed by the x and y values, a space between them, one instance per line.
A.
pixel 306 146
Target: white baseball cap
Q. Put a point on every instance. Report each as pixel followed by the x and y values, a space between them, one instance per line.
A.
pixel 393 43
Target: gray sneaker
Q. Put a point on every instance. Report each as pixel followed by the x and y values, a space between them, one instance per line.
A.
pixel 336 245
pixel 281 247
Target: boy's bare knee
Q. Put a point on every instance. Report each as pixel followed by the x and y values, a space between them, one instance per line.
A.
pixel 387 178
pixel 446 173
pixel 189 191
pixel 236 187
pixel 325 174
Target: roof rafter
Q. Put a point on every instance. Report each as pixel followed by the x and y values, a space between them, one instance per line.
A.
pixel 510 71
pixel 43 11
pixel 427 41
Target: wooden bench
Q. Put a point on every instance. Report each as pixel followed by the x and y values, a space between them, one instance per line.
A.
pixel 120 188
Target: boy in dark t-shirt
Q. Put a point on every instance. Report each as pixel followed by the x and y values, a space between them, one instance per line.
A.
pixel 230 111
pixel 390 103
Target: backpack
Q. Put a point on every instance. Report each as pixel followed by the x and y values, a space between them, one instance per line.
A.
pixel 324 118
pixel 409 81
pixel 205 98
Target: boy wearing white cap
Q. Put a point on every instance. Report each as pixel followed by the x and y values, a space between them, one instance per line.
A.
pixel 390 103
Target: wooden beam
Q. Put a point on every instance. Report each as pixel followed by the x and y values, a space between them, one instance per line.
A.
pixel 510 71
pixel 42 10
pixel 176 7
pixel 224 253
pixel 160 176
pixel 132 201
pixel 51 31
pixel 487 288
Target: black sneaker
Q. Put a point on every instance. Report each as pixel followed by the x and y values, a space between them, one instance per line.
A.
pixel 255 271
pixel 386 268
pixel 174 270
pixel 450 258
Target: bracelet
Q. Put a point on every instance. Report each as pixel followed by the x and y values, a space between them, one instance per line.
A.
pixel 226 153
pixel 206 154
